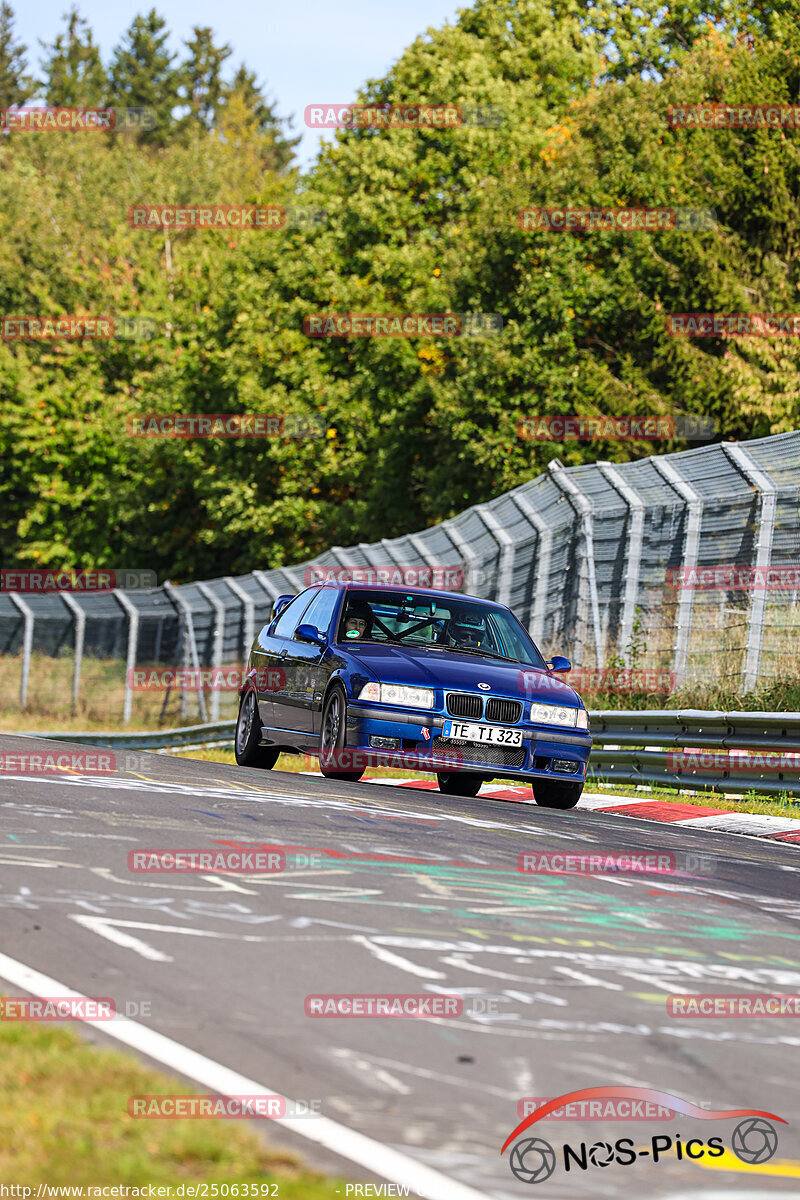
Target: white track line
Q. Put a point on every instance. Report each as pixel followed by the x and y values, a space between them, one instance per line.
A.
pixel 372 1155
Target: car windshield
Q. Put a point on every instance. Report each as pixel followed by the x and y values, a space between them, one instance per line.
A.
pixel 411 619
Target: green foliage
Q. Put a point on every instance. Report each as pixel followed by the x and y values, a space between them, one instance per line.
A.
pixel 73 69
pixel 418 221
pixel 16 86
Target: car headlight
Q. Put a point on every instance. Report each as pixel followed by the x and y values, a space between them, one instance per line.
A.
pixel 559 714
pixel 395 693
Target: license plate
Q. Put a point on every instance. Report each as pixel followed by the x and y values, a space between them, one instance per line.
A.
pixel 492 735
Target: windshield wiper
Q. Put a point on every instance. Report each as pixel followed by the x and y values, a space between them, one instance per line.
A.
pixel 481 653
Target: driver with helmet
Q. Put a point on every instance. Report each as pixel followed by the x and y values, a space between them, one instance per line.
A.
pixel 465 631
pixel 358 619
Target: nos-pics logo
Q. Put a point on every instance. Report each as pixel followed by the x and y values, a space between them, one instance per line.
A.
pixel 533 1160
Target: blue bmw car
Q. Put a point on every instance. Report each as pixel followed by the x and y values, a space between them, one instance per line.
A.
pixel 396 676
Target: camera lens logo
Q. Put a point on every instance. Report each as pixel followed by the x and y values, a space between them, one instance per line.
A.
pixel 601 1154
pixel 754 1140
pixel 533 1160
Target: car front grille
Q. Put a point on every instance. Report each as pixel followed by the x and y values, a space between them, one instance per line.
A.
pixel 473 752
pixel 462 704
pixel 503 712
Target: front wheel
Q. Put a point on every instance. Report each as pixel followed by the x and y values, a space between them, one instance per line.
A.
pixel 248 735
pixel 556 795
pixel 459 783
pixel 332 753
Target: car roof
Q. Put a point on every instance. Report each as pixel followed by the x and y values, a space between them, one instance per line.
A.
pixel 434 593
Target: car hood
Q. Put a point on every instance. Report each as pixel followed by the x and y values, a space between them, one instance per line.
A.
pixel 449 669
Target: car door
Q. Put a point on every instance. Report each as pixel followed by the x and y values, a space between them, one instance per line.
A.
pixel 312 664
pixel 289 700
pixel 269 654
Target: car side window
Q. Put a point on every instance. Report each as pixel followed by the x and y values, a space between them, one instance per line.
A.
pixel 320 610
pixel 290 617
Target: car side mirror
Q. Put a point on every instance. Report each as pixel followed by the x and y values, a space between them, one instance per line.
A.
pixel 558 663
pixel 278 605
pixel 309 633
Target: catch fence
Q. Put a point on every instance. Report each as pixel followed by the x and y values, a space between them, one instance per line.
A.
pixel 687 564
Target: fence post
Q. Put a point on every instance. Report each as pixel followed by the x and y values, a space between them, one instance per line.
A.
pixel 133 640
pixel 544 550
pixel 505 568
pixel 80 630
pixel 768 498
pixel 188 642
pixel 564 481
pixel 633 557
pixel 216 654
pixel 468 555
pixel 27 645
pixel 248 608
pixel 691 550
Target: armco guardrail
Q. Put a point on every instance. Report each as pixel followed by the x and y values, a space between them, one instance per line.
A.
pixel 690 748
pixel 219 732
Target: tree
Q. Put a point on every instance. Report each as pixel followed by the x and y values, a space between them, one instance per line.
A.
pixel 16 86
pixel 74 74
pixel 142 75
pixel 200 76
pixel 277 150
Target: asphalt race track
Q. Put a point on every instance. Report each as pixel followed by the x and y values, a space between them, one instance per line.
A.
pixel 563 978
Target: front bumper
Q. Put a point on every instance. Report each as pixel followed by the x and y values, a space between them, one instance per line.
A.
pixel 542 746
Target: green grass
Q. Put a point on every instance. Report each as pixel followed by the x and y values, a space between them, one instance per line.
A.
pixel 64 1120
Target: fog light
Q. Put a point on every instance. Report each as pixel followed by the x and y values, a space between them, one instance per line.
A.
pixel 565 767
pixel 383 743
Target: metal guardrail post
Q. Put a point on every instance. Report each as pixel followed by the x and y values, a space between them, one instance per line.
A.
pixel 768 498
pixel 544 552
pixel 507 548
pixel 189 643
pixel 27 645
pixel 272 589
pixel 216 653
pixel 468 555
pixel 564 481
pixel 130 659
pixel 691 549
pixel 633 558
pixel 80 632
pixel 248 609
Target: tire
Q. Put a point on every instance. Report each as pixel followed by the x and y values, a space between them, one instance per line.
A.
pixel 248 735
pixel 556 795
pixel 459 783
pixel 334 734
